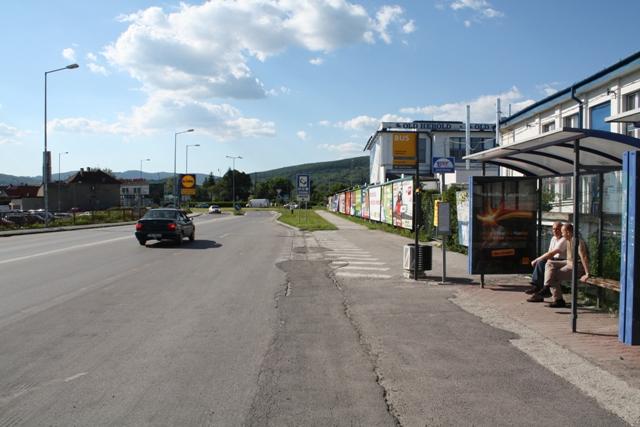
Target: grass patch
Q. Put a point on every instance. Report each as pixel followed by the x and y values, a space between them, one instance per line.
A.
pixel 306 220
pixel 373 225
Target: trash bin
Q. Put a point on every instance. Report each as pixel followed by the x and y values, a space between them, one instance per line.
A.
pixel 425 255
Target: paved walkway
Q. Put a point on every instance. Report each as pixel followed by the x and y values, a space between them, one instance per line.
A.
pixel 592 359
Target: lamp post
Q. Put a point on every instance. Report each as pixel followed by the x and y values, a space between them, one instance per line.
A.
pixel 175 177
pixel 186 156
pixel 143 160
pixel 59 180
pixel 45 156
pixel 233 178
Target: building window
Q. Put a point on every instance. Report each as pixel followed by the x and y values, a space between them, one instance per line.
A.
pixel 571 121
pixel 631 101
pixel 597 115
pixel 458 146
pixel 548 127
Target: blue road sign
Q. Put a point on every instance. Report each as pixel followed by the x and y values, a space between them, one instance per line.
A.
pixel 444 164
pixel 303 187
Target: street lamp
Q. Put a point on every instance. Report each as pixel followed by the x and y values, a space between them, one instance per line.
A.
pixel 59 180
pixel 175 177
pixel 143 160
pixel 45 156
pixel 233 178
pixel 186 156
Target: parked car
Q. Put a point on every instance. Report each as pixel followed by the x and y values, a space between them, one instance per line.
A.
pixel 215 209
pixel 165 224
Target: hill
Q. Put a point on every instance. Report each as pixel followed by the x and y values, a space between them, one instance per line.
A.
pixel 344 173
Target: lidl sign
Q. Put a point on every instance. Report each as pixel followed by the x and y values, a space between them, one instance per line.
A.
pixel 188 184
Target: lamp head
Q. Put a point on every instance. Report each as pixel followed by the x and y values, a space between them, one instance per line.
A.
pixel 72 66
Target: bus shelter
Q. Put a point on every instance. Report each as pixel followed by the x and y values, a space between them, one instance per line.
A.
pixel 581 152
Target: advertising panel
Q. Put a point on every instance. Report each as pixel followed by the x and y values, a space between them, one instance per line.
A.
pixel 374 203
pixel 502 237
pixel 365 203
pixel 397 204
pixel 462 208
pixel 387 204
pixel 404 149
pixel 352 207
pixel 358 203
pixel 341 202
pixel 407 204
pixel 347 203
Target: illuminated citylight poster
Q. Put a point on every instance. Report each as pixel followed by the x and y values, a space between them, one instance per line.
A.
pixel 503 225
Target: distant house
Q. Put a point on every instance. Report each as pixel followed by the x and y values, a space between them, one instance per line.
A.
pixel 88 189
pixel 24 196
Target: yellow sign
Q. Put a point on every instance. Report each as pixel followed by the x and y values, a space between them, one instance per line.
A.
pixel 404 149
pixel 188 185
pixel 436 206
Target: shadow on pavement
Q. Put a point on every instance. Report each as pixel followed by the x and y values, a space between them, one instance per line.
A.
pixel 196 244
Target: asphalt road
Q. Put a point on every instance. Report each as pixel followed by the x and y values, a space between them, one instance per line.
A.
pixel 253 324
pixel 98 330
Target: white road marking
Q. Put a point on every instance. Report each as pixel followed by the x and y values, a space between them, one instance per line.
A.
pixel 352 267
pixel 76 376
pixel 362 276
pixel 227 234
pixel 70 248
pixel 347 258
pixel 358 262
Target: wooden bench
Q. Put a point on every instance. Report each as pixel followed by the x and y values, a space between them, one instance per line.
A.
pixel 599 282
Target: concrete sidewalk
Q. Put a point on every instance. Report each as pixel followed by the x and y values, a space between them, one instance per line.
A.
pixel 592 359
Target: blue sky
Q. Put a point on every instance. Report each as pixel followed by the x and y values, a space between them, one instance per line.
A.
pixel 277 82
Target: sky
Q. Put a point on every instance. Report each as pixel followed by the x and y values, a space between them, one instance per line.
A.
pixel 277 82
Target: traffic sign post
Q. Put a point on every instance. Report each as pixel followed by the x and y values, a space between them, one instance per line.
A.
pixel 303 188
pixel 443 165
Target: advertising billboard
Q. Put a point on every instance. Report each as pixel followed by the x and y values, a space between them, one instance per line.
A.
pixel 502 236
pixel 404 149
pixel 374 203
pixel 358 203
pixel 462 209
pixel 347 203
pixel 352 207
pixel 386 214
pixel 407 204
pixel 365 203
pixel 341 202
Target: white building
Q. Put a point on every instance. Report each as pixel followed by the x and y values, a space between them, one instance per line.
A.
pixel 392 149
pixel 608 101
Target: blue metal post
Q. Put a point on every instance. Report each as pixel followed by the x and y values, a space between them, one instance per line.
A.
pixel 629 317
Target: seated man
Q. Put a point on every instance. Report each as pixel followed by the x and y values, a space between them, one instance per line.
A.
pixel 538 264
pixel 558 271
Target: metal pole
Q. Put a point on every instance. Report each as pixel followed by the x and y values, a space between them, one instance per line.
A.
pixel 175 177
pixel 576 227
pixel 45 168
pixel 416 209
pixel 468 136
pixel 444 238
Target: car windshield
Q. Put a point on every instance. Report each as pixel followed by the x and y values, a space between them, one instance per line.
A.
pixel 161 214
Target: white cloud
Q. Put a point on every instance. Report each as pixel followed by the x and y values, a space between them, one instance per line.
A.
pixel 9 134
pixel 548 88
pixel 199 51
pixel 92 57
pixel 483 108
pixel 324 123
pixel 97 69
pixel 302 135
pixel 316 61
pixel 409 27
pixel 282 90
pixel 221 121
pixel 348 149
pixel 69 54
pixel 480 9
pixel 368 123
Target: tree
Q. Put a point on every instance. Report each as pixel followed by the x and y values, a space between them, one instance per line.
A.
pixel 224 186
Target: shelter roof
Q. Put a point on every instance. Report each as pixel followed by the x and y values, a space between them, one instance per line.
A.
pixel 552 153
pixel 632 116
